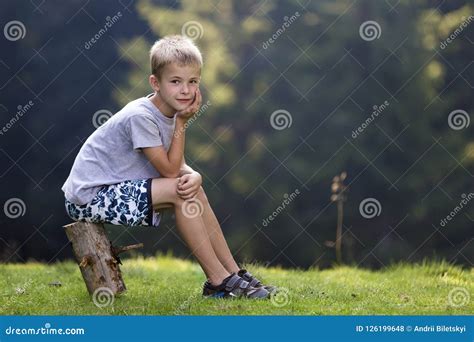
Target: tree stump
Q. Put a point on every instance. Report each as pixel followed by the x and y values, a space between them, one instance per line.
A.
pixel 98 260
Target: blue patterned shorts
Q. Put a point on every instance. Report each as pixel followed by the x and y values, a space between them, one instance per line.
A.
pixel 127 203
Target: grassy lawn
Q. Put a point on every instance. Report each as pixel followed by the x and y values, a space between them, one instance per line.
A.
pixel 168 286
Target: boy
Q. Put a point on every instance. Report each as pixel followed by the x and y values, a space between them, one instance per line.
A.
pixel 133 165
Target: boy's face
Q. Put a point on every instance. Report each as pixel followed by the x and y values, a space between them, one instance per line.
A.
pixel 177 86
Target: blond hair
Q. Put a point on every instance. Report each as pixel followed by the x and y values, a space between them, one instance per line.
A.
pixel 176 48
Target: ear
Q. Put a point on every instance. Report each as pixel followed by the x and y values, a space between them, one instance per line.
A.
pixel 154 83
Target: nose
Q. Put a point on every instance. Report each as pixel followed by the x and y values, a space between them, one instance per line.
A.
pixel 184 89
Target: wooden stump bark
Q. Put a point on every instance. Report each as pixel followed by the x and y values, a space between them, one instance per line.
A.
pixel 98 260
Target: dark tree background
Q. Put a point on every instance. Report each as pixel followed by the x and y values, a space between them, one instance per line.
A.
pixel 296 92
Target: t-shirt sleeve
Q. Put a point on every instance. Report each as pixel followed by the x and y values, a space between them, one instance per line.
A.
pixel 144 132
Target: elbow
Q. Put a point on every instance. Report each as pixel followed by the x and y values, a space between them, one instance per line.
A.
pixel 170 174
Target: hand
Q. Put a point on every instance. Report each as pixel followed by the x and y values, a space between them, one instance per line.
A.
pixel 193 108
pixel 188 185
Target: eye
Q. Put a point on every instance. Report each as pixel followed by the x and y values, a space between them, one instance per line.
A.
pixel 175 81
pixel 194 81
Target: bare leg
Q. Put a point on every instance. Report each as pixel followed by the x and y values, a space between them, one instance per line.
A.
pixel 190 228
pixel 215 235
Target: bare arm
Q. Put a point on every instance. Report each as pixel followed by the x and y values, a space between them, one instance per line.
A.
pixel 168 164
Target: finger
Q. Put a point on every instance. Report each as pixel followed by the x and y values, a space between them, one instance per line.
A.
pixel 186 192
pixel 200 96
pixel 193 104
pixel 183 179
pixel 193 188
pixel 187 197
pixel 187 185
pixel 180 190
pixel 196 97
pixel 186 111
pixel 197 102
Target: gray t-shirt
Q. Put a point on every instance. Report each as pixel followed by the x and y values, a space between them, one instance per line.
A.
pixel 112 154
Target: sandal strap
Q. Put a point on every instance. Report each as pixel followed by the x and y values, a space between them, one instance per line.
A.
pixel 236 282
pixel 254 282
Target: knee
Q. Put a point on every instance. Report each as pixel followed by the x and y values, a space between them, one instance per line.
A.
pixel 201 195
pixel 164 191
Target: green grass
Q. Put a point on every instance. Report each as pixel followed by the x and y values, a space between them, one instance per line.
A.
pixel 168 286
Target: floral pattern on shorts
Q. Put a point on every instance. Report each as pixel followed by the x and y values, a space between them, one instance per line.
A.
pixel 127 203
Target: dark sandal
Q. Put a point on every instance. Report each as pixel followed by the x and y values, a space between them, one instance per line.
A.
pixel 234 287
pixel 247 276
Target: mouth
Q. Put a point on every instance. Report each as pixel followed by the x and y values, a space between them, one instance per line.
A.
pixel 183 100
